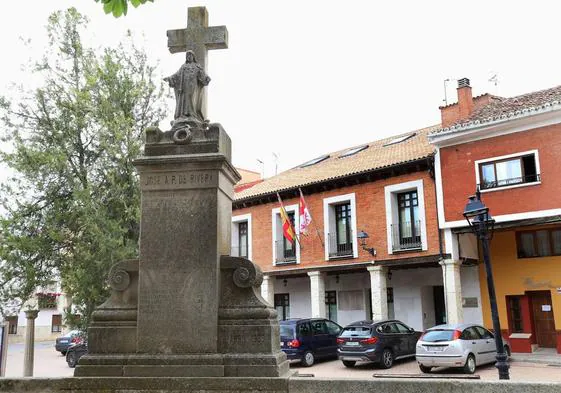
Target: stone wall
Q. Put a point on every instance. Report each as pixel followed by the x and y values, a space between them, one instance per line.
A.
pixel 267 385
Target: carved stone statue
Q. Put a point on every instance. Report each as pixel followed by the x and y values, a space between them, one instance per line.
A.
pixel 188 84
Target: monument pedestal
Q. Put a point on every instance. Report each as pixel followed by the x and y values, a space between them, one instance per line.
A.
pixel 185 308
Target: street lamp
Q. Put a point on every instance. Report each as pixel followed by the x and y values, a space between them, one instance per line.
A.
pixel 482 225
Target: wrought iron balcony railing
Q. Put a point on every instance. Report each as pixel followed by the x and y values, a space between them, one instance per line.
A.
pixel 510 182
pixel 406 236
pixel 339 249
pixel 283 254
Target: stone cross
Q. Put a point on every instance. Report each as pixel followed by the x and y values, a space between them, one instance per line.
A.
pixel 198 37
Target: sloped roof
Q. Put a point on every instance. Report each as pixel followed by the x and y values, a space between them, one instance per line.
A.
pixel 376 156
pixel 507 108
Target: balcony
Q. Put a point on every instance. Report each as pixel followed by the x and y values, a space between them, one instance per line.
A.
pixel 237 251
pixel 406 236
pixel 284 256
pixel 510 182
pixel 339 250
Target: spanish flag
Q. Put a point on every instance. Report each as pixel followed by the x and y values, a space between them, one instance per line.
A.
pixel 287 228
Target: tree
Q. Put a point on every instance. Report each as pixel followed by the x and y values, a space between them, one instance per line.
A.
pixel 120 7
pixel 72 204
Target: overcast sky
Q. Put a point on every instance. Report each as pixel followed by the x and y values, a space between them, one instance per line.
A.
pixel 302 78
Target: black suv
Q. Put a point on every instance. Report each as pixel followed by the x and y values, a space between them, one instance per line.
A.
pixel 307 339
pixel 381 342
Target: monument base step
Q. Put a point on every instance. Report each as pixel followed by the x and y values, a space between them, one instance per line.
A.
pixel 203 365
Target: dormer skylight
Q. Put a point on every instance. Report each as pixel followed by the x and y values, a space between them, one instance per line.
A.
pixel 314 161
pixel 352 151
pixel 399 139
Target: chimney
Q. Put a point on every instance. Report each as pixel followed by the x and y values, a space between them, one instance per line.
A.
pixel 452 113
pixel 465 98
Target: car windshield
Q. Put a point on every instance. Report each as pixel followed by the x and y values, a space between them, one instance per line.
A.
pixel 355 331
pixel 287 331
pixel 433 336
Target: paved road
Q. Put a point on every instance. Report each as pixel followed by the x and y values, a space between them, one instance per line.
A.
pixel 519 371
pixel 49 363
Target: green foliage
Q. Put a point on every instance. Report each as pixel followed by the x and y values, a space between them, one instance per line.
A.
pixel 120 7
pixel 71 208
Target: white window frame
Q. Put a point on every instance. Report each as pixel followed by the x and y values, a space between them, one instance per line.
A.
pixel 277 234
pixel 329 211
pixel 392 211
pixel 235 233
pixel 505 157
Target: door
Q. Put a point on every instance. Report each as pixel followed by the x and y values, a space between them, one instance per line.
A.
pixel 472 342
pixel 439 306
pixel 397 340
pixel 542 313
pixel 487 346
pixel 333 329
pixel 321 338
pixel 409 337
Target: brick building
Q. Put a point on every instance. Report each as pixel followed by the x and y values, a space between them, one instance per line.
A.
pixel 511 149
pixel 385 189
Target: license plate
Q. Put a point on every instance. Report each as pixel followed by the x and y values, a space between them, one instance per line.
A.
pixel 353 343
pixel 435 348
pixel 63 341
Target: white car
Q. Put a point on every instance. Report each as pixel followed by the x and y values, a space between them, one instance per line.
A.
pixel 456 345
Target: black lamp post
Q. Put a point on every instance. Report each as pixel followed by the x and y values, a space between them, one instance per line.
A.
pixel 482 225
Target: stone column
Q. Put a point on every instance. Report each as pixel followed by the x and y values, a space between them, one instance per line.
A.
pixel 268 289
pixel 452 290
pixel 317 292
pixel 29 342
pixel 379 292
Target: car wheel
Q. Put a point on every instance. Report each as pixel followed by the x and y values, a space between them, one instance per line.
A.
pixel 469 367
pixel 71 359
pixel 308 359
pixel 425 369
pixel 349 363
pixel 387 358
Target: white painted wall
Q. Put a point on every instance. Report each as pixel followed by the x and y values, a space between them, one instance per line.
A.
pixel 470 288
pixel 409 305
pixel 299 291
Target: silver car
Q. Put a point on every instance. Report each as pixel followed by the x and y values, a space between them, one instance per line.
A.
pixel 456 345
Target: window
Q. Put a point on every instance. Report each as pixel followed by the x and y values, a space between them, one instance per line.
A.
pixel 407 232
pixel 514 314
pixel 405 217
pixel 353 151
pixel 469 334
pixel 402 328
pixel 304 329
pixel 314 161
pixel 12 324
pixel 284 251
pixel 331 305
pixel 282 305
pixel 241 236
pixel 333 328
pixel 340 227
pixel 56 323
pixel 483 333
pixel 399 139
pixel 512 170
pixel 539 243
pixel 319 327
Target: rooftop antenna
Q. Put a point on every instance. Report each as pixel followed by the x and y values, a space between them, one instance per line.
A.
pixel 276 159
pixel 262 168
pixel 494 79
pixel 445 95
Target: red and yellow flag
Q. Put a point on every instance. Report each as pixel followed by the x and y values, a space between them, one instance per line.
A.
pixel 287 228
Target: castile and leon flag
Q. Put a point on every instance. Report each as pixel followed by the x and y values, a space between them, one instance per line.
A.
pixel 305 216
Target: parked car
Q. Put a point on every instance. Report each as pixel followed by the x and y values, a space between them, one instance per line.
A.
pixel 75 352
pixel 456 345
pixel 381 342
pixel 72 337
pixel 306 340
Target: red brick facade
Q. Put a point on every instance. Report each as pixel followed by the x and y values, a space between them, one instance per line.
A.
pixel 459 176
pixel 370 215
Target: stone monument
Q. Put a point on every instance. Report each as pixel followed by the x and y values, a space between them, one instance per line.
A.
pixel 185 308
